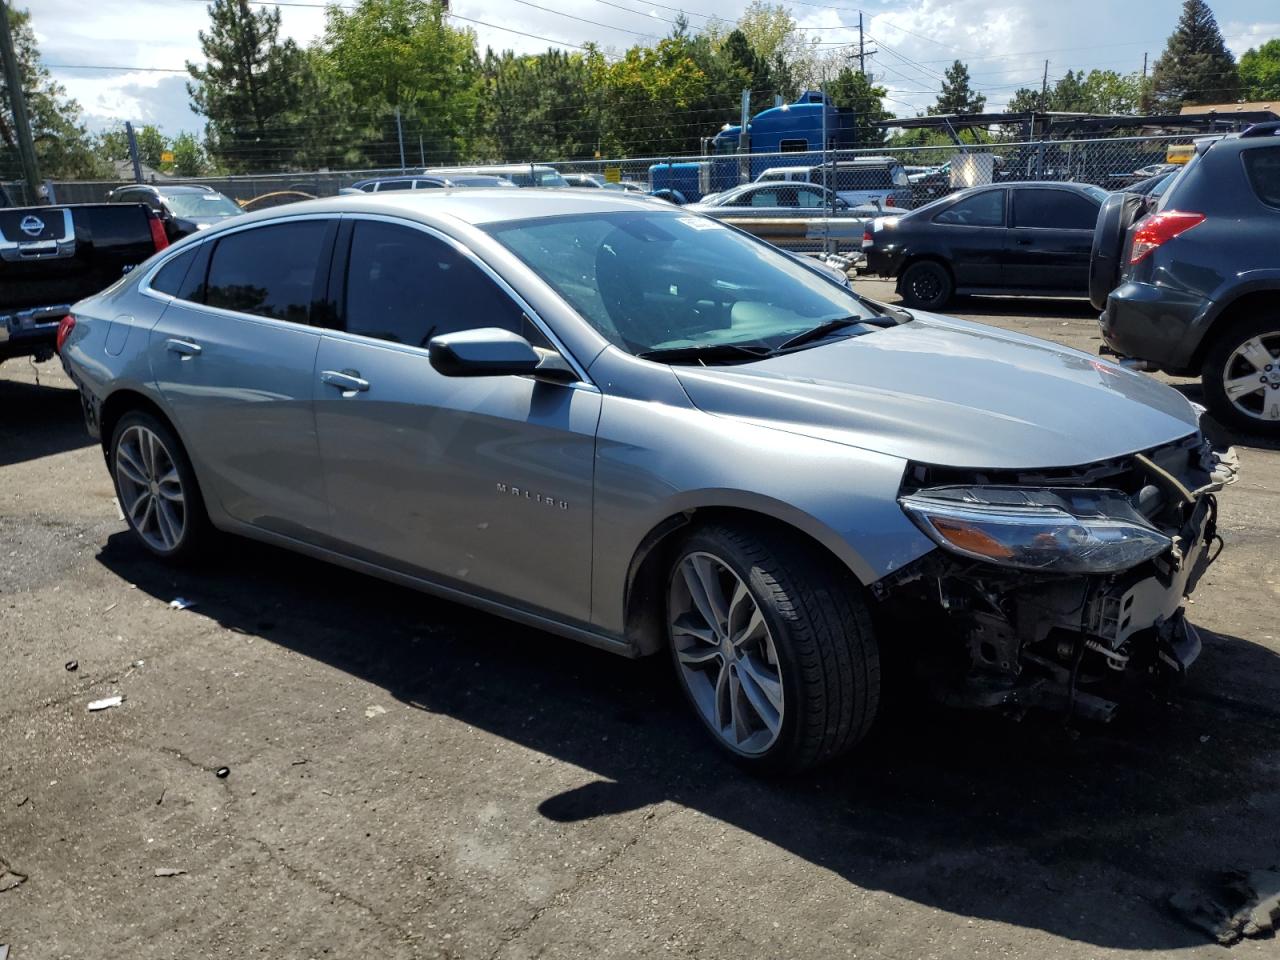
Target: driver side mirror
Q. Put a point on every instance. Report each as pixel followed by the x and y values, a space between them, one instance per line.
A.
pixel 486 352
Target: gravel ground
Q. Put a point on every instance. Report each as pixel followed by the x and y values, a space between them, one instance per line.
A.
pixel 412 779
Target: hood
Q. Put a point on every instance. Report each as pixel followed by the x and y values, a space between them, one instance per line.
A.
pixel 951 393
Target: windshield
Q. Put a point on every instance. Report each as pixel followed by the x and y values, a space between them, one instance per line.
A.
pixel 197 205
pixel 658 280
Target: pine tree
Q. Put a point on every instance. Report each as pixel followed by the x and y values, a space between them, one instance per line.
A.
pixel 957 96
pixel 1196 66
pixel 248 89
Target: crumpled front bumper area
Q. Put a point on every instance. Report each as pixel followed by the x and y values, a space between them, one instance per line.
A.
pixel 986 636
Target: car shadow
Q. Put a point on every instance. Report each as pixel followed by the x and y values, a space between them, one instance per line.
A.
pixel 1221 434
pixel 1079 832
pixel 1049 308
pixel 38 420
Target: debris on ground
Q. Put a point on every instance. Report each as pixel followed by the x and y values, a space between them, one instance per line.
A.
pixel 374 711
pixel 1240 905
pixel 72 665
pixel 4 951
pixel 105 703
pixel 160 799
pixel 169 872
pixel 181 603
pixel 222 773
pixel 9 879
pixel 24 801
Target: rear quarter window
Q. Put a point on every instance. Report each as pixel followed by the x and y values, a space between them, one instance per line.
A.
pixel 1262 169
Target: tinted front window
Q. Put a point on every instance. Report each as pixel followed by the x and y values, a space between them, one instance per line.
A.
pixel 1059 209
pixel 269 271
pixel 810 199
pixel 406 286
pixel 984 209
pixel 656 280
pixel 1262 167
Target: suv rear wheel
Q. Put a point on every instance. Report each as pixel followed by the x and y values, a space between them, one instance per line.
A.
pixel 774 649
pixel 1241 374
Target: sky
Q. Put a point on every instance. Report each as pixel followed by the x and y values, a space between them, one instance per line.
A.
pixel 143 44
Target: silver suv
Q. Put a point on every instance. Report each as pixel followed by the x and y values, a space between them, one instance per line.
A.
pixel 650 432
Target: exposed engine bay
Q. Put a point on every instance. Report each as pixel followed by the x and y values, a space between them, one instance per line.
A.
pixel 1059 588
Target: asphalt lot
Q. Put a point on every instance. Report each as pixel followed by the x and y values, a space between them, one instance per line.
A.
pixel 409 778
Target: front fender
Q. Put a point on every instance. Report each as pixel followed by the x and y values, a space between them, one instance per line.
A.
pixel 654 462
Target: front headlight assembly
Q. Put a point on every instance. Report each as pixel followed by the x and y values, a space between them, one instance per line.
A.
pixel 1049 530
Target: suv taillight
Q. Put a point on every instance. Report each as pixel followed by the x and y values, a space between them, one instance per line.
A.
pixel 868 240
pixel 888 201
pixel 1158 228
pixel 158 236
pixel 67 324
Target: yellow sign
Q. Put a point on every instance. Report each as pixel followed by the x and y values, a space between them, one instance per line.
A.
pixel 166 157
pixel 613 174
pixel 1180 153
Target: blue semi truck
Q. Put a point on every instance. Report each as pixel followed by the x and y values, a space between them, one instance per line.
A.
pixel 794 129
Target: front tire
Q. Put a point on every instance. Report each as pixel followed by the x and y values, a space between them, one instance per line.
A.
pixel 773 648
pixel 926 285
pixel 156 487
pixel 1241 375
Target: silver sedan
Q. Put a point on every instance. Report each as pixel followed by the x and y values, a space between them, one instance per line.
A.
pixel 642 429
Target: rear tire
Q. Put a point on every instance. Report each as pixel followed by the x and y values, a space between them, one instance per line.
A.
pixel 788 675
pixel 1241 374
pixel 927 285
pixel 156 488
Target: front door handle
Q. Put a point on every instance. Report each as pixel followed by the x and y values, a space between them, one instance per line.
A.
pixel 184 348
pixel 1023 241
pixel 346 381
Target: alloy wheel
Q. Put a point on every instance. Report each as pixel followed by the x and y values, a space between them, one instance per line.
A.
pixel 1251 377
pixel 150 487
pixel 726 654
pixel 925 287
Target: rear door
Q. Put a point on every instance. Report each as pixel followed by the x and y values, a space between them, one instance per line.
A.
pixel 483 483
pixel 235 362
pixel 1049 240
pixel 970 234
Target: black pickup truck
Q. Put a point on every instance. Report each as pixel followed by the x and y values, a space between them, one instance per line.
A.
pixel 50 257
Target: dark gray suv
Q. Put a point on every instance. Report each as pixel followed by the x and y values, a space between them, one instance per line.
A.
pixel 1191 283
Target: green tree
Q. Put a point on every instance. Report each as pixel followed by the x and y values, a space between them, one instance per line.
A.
pixel 152 145
pixel 1260 72
pixel 64 148
pixel 403 54
pixel 853 90
pixel 1106 91
pixel 189 158
pixel 957 96
pixel 1196 66
pixel 248 88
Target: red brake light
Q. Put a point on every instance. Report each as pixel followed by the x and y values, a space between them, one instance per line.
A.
pixel 867 239
pixel 888 201
pixel 65 327
pixel 158 236
pixel 1159 227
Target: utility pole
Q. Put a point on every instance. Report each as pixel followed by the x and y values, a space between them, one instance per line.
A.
pixel 133 151
pixel 744 139
pixel 1044 88
pixel 18 104
pixel 862 50
pixel 422 153
pixel 400 137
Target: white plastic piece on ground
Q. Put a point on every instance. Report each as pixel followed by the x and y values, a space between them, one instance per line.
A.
pixel 105 703
pixel 375 711
pixel 181 603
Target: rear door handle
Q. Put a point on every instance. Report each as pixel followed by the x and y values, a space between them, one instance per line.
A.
pixel 1023 241
pixel 344 381
pixel 183 347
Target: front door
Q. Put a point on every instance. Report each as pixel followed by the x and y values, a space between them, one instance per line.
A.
pixel 1050 238
pixel 971 234
pixel 484 484
pixel 234 359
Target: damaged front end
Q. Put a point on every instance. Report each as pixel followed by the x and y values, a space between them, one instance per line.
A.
pixel 1056 588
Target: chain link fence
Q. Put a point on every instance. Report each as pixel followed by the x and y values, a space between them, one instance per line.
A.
pixel 893 177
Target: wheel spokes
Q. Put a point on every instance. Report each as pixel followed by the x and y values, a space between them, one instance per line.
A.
pixel 1256 353
pixel 1242 386
pixel 128 464
pixel 150 488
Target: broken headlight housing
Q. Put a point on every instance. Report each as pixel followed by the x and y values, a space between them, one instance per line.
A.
pixel 1051 530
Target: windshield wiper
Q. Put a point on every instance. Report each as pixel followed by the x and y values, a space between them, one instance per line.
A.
pixel 820 331
pixel 706 353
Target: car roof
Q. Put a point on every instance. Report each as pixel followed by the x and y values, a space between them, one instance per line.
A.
pixel 400 177
pixel 473 205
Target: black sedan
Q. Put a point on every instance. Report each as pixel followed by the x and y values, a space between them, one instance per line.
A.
pixel 1015 238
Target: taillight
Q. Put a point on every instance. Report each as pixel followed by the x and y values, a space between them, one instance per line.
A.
pixel 65 327
pixel 889 201
pixel 1158 228
pixel 867 239
pixel 158 236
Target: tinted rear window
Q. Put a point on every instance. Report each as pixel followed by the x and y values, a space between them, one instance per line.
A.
pixel 269 271
pixel 1262 167
pixel 169 279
